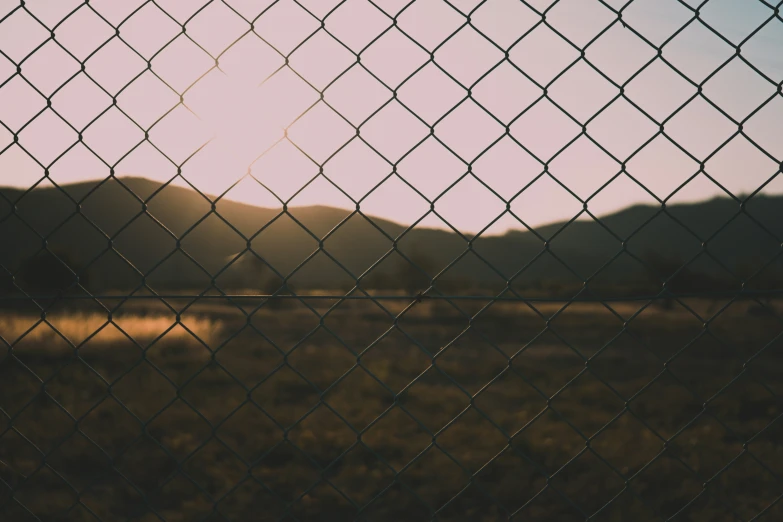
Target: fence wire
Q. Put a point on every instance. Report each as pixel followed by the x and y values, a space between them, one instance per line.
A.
pixel 315 460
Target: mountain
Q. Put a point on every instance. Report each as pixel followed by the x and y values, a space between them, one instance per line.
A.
pixel 116 232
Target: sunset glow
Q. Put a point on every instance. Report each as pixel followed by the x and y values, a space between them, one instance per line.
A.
pixel 276 105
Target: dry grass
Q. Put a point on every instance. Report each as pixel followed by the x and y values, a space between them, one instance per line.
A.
pixel 402 433
pixel 91 328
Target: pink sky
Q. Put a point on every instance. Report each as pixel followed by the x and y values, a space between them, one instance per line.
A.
pixel 256 112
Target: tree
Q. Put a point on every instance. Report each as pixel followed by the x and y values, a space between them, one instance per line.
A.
pixel 249 273
pixel 681 277
pixel 760 274
pixel 50 272
pixel 415 276
pixel 255 274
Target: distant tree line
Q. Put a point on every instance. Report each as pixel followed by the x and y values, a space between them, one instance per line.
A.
pixel 60 272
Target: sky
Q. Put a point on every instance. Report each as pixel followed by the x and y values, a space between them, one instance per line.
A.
pixel 332 103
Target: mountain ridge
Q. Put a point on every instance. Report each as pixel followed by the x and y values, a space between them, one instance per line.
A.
pixel 121 240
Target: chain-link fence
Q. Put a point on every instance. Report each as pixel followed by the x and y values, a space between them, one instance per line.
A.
pixel 211 312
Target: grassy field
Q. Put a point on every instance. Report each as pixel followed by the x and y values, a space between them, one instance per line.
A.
pixel 392 412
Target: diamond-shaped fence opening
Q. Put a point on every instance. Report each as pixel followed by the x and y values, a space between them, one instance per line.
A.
pixel 385 259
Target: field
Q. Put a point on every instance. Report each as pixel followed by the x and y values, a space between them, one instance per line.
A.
pixel 332 411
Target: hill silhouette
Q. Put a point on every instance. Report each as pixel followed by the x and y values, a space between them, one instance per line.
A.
pixel 117 234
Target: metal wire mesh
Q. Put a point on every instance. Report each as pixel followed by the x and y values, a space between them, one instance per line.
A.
pixel 476 463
